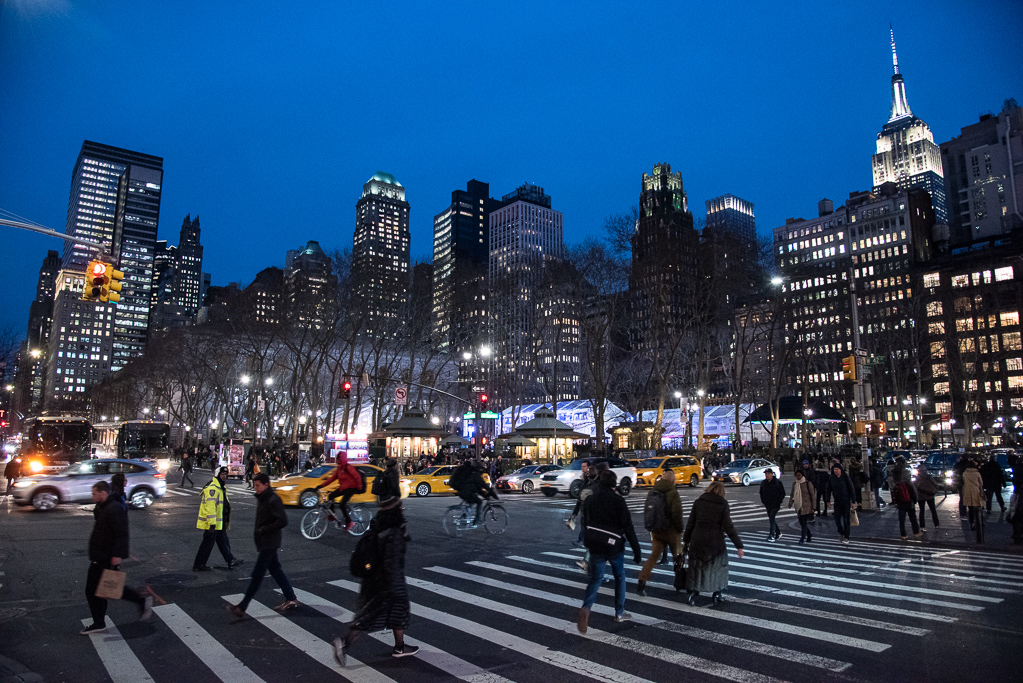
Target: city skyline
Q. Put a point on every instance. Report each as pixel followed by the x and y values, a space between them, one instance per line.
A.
pixel 584 153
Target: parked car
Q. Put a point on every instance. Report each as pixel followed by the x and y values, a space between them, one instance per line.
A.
pixel 525 479
pixel 144 483
pixel 940 465
pixel 570 479
pixel 745 471
pixel 687 470
pixel 300 489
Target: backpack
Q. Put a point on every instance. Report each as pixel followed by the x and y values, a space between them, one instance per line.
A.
pixel 655 512
pixel 378 484
pixel 460 477
pixel 365 560
pixel 900 494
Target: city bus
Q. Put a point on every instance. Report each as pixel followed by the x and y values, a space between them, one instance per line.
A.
pixel 51 444
pixel 135 439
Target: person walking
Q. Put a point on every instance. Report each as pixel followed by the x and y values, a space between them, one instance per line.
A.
pixel 904 496
pixel 12 471
pixel 589 481
pixel 663 517
pixel 214 520
pixel 108 545
pixel 926 490
pixel 840 489
pixel 877 477
pixel 993 476
pixel 973 497
pixel 802 499
pixel 823 490
pixel 186 470
pixel 270 520
pixel 704 542
pixel 608 525
pixel 1015 509
pixel 383 597
pixel 772 495
pixel 250 469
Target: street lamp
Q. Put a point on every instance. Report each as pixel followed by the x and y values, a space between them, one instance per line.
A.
pixel 35 353
pixel 483 351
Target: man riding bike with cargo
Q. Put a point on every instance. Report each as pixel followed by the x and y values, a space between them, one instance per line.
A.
pixel 467 481
pixel 349 482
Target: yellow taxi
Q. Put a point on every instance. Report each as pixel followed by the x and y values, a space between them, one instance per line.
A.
pixel 433 480
pixel 300 489
pixel 687 470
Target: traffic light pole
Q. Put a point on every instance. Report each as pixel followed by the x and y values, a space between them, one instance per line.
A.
pixel 53 233
pixel 859 394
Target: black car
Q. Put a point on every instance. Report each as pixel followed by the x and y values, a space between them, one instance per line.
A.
pixel 941 466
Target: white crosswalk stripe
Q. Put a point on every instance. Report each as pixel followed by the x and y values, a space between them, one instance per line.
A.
pixel 121 663
pixel 221 662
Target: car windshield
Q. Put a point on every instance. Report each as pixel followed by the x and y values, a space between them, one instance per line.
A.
pixel 428 470
pixel 738 464
pixel 529 469
pixel 577 465
pixel 650 462
pixel 320 471
pixel 80 468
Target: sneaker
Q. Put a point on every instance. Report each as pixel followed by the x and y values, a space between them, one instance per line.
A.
pixel 801 542
pixel 405 650
pixel 581 564
pixel 237 612
pixel 201 568
pixel 286 605
pixel 918 534
pixel 93 628
pixel 623 617
pixel 770 539
pixel 147 609
pixel 339 651
pixel 234 563
pixel 845 540
pixel 582 620
pixel 777 536
pixel 349 526
pixel 903 538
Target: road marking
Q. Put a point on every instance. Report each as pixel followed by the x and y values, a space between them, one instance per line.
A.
pixel 221 662
pixel 177 493
pixel 712 636
pixel 320 650
pixel 120 662
pixel 972 556
pixel 448 663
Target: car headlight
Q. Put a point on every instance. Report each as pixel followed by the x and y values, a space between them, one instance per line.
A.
pixel 734 477
pixel 285 488
pixel 646 474
pixel 24 483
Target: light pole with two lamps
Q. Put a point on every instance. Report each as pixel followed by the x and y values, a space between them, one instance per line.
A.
pixel 481 396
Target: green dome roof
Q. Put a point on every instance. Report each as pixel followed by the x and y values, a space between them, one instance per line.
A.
pixel 385 178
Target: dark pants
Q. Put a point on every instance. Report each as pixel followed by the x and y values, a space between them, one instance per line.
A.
pixel 904 510
pixel 346 496
pixel 841 513
pixel 962 508
pixel 804 534
pixel 990 494
pixel 267 561
pixel 209 537
pixel 473 499
pixel 186 474
pixel 825 495
pixel 771 514
pixel 977 521
pixel 934 511
pixel 98 606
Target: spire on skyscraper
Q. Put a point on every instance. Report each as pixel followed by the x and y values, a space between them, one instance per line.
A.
pixel 900 105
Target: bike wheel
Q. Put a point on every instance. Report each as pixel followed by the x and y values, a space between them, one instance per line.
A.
pixel 314 523
pixel 454 521
pixel 360 519
pixel 495 518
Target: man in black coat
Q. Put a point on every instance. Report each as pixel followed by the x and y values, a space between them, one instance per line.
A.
pixel 108 545
pixel 994 481
pixel 842 492
pixel 270 519
pixel 772 495
pixel 608 526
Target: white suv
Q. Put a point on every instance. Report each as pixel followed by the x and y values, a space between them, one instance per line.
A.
pixel 570 479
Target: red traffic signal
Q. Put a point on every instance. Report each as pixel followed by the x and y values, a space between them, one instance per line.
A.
pixel 483 401
pixel 345 391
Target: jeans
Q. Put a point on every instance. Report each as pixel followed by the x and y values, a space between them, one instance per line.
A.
pixel 209 537
pixel 596 571
pixel 771 513
pixel 267 560
pixel 186 474
pixel 908 510
pixel 934 511
pixel 878 501
pixel 990 494
pixel 659 540
pixel 98 606
pixel 804 534
pixel 841 513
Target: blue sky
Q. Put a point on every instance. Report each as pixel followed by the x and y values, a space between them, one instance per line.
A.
pixel 271 116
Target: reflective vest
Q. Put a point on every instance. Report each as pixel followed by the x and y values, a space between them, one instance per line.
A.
pixel 211 509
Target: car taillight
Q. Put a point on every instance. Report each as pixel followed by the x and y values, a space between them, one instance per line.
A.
pixel 160 475
pixel 35 466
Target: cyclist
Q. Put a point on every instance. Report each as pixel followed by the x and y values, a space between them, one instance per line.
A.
pixel 349 482
pixel 467 481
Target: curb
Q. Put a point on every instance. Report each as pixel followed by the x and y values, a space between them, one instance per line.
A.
pixel 13 672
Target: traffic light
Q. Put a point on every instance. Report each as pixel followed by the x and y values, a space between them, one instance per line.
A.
pixel 95 275
pixel 849 368
pixel 483 401
pixel 345 391
pixel 111 284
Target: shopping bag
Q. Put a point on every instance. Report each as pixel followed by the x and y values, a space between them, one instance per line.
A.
pixel 111 584
pixel 680 572
pixel 854 519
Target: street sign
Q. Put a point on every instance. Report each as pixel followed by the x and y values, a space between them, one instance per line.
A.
pixel 478 388
pixel 486 415
pixel 400 395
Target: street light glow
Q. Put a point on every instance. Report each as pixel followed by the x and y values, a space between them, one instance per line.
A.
pixel 466 355
pixel 678 394
pixel 485 351
pixel 776 280
pixel 244 379
pixel 700 392
pixel 268 381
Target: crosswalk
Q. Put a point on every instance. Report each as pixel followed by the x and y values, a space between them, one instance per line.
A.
pixel 795 613
pixel 239 495
pixel 742 512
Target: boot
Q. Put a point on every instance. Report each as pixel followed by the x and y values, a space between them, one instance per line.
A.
pixel 691 598
pixel 641 587
pixel 717 597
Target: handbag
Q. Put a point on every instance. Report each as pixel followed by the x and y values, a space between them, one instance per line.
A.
pixel 680 571
pixel 111 584
pixel 854 519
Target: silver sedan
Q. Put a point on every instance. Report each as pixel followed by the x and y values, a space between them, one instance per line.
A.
pixel 525 479
pixel 745 471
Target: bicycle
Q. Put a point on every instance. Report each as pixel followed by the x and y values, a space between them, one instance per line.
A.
pixel 458 519
pixel 318 518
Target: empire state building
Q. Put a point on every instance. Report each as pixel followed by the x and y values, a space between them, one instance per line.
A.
pixel 906 153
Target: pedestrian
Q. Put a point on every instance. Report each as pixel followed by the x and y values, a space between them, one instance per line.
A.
pixel 994 481
pixel 823 491
pixel 608 525
pixel 214 520
pixel 250 469
pixel 856 476
pixel 387 484
pixel 973 497
pixel 350 482
pixel 117 484
pixel 12 471
pixel 108 545
pixel 1015 511
pixel 957 480
pixel 840 489
pixel 270 520
pixel 772 495
pixel 926 489
pixel 877 476
pixel 802 499
pixel 662 515
pixel 186 470
pixel 904 496
pixel 704 542
pixel 383 597
pixel 589 480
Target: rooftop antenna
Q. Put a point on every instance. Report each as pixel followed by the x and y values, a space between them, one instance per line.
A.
pixel 895 57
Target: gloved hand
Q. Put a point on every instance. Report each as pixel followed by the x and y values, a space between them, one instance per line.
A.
pixel 638 557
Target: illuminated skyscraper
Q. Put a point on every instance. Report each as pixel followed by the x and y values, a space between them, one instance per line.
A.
pixel 380 251
pixel 906 153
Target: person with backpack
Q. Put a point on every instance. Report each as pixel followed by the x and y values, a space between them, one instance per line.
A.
pixel 608 525
pixel 467 481
pixel 186 470
pixel 904 496
pixel 662 517
pixel 926 490
pixel 379 560
pixel 350 481
pixel 772 495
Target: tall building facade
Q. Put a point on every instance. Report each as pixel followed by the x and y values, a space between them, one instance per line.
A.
pixel 906 154
pixel 535 332
pixel 381 251
pixel 461 255
pixel 983 170
pixel 188 267
pixel 309 286
pixel 264 298
pixel 31 372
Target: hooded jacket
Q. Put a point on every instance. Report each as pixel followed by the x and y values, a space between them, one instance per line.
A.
pixel 973 487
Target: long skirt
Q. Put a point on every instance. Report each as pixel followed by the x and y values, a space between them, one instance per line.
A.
pixel 378 609
pixel 708 576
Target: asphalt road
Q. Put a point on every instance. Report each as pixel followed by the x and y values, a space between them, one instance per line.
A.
pixel 495 608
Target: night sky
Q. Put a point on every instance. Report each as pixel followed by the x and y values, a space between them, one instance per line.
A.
pixel 271 116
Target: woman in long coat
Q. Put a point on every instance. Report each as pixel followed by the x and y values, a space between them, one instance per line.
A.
pixel 704 540
pixel 973 497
